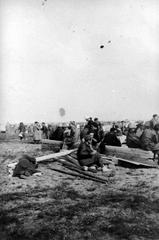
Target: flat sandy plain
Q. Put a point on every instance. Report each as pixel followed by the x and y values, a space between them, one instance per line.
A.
pixel 58 206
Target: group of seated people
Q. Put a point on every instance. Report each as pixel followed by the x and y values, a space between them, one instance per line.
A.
pixel 92 127
pixel 143 135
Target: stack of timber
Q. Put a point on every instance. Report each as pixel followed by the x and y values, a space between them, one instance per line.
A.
pixel 125 156
pixel 46 158
pixel 131 156
pixel 129 153
pixel 74 169
pixel 52 145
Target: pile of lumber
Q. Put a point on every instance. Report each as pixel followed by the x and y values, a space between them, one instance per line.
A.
pixel 123 155
pixel 72 168
pixel 68 159
pixel 131 156
pixel 49 157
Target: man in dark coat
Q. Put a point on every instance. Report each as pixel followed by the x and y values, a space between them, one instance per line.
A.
pixel 44 130
pixel 69 134
pixel 58 133
pixel 150 139
pixel 132 140
pixel 154 121
pixel 90 125
pixel 22 130
pixel 86 155
pixel 98 131
pixel 109 139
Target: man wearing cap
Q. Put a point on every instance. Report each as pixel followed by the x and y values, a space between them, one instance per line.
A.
pixel 86 155
pixel 37 132
pixel 150 139
pixel 139 129
pixel 132 140
pixel 111 138
pixel 44 130
pixel 90 125
pixel 154 121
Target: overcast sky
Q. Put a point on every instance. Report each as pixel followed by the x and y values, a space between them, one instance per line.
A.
pixel 51 58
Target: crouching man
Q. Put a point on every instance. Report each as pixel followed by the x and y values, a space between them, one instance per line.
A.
pixel 25 167
pixel 87 156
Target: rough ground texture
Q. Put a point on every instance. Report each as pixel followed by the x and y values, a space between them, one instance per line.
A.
pixel 58 206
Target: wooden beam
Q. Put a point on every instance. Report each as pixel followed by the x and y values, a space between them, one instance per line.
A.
pixel 53 142
pixel 139 162
pixel 78 175
pixel 142 164
pixel 128 153
pixel 54 155
pixel 86 173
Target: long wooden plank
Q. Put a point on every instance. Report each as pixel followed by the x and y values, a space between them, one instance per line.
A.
pixel 129 153
pixel 77 175
pixel 80 170
pixel 145 163
pixel 151 165
pixel 54 155
pixel 53 142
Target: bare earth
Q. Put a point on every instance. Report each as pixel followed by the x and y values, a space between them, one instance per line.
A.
pixel 57 206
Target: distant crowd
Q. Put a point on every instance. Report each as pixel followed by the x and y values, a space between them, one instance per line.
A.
pixel 92 140
pixel 144 135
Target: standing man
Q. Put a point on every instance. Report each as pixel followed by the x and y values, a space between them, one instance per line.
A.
pixel 22 130
pixel 44 130
pixel 37 132
pixel 150 140
pixel 154 121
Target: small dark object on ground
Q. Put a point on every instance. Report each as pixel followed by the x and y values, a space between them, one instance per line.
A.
pixel 25 167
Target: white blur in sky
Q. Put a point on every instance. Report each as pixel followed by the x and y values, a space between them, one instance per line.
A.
pixel 51 58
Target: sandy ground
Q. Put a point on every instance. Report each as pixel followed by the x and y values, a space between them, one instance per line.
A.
pixel 58 206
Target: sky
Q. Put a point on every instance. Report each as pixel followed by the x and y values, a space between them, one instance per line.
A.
pixel 51 58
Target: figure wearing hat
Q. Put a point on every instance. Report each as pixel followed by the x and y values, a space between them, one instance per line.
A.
pixel 139 129
pixel 132 140
pixel 86 155
pixel 150 140
pixel 154 121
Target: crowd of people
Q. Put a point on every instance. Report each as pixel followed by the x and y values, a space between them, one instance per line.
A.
pixel 137 135
pixel 68 133
pixel 37 130
pixel 92 139
pixel 144 135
